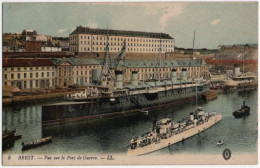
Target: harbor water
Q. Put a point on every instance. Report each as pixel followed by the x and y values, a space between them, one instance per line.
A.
pixel 108 136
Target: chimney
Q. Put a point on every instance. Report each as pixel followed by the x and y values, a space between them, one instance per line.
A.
pixel 174 75
pixel 236 70
pixel 119 81
pixel 191 116
pixel 184 74
pixel 134 79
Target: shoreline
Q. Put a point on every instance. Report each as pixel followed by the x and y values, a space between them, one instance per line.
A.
pixel 30 99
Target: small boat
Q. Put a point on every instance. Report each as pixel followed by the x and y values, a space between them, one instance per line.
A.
pixel 210 95
pixel 143 111
pixel 244 111
pixel 220 142
pixel 8 138
pixel 37 143
pixel 17 137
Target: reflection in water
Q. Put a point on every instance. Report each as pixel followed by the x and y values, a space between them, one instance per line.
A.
pixel 113 135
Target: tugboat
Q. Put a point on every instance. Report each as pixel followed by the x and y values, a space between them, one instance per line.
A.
pixel 244 111
pixel 166 132
pixel 36 143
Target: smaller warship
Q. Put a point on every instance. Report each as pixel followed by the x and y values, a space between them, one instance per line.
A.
pixel 166 132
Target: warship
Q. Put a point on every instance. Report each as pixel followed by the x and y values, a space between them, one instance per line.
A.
pixel 111 97
pixel 124 100
pixel 166 132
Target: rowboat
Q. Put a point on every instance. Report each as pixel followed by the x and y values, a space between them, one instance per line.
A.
pixel 37 143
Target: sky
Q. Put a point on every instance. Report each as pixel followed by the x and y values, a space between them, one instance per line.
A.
pixel 215 23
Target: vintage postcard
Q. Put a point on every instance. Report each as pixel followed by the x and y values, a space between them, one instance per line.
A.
pixel 129 83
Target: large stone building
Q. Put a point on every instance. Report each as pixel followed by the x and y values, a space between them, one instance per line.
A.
pixel 78 71
pixel 64 70
pixel 27 74
pixel 74 71
pixel 84 39
pixel 45 73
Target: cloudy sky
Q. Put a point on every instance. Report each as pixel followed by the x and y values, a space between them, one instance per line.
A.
pixel 216 23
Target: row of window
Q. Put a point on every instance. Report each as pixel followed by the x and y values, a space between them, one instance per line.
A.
pixel 128 44
pixel 27 68
pixel 82 49
pixel 70 68
pixel 121 39
pixel 65 73
pixel 30 75
pixel 68 72
pixel 36 82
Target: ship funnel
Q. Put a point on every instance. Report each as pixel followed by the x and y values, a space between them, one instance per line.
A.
pixel 174 75
pixel 96 75
pixel 236 70
pixel 191 116
pixel 184 74
pixel 119 81
pixel 134 79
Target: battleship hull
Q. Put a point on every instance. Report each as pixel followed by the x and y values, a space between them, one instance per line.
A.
pixel 122 105
pixel 175 138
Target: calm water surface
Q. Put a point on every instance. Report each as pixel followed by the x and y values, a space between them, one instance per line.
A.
pixel 112 135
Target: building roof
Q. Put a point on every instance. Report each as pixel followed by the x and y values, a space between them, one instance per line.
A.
pixel 188 63
pixel 77 61
pixel 240 45
pixel 23 62
pixel 40 54
pixel 148 63
pixel 80 61
pixel 87 30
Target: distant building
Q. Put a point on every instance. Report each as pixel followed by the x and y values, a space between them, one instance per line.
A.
pixel 84 39
pixel 238 47
pixel 50 49
pixel 13 49
pixel 29 33
pixel 41 37
pixel 63 42
pixel 11 39
pixel 33 46
pixel 28 74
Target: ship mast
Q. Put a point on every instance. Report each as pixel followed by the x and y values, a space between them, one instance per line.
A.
pixel 107 49
pixel 105 64
pixel 243 64
pixel 160 61
pixel 192 72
